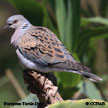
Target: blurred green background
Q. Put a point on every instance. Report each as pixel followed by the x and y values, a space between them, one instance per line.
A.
pixel 82 26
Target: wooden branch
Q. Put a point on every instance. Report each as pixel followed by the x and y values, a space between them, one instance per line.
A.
pixel 44 86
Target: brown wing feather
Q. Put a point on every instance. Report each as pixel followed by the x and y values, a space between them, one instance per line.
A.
pixel 72 65
pixel 41 45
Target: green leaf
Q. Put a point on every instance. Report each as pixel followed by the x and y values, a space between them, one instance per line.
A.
pixel 100 20
pixel 31 9
pixel 84 103
pixel 87 38
pixel 91 90
pixel 68 79
pixel 72 24
pixel 75 23
pixel 69 36
pixel 47 21
pixel 99 37
pixel 68 20
pixel 88 88
pixel 61 18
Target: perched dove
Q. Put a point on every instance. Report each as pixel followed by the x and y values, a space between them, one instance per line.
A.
pixel 39 49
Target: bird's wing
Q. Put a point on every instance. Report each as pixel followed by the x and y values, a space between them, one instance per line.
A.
pixel 72 65
pixel 40 45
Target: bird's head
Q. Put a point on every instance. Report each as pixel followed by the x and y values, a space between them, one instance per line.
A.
pixel 16 21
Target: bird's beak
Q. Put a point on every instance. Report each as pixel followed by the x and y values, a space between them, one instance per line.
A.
pixel 6 26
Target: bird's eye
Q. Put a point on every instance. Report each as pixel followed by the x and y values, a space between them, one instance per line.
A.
pixel 15 21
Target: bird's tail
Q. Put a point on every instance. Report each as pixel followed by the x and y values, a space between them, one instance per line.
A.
pixel 76 67
pixel 90 76
pixel 85 71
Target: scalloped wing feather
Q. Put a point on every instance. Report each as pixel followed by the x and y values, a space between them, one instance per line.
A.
pixel 41 46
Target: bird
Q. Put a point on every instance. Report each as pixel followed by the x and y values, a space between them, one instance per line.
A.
pixel 38 48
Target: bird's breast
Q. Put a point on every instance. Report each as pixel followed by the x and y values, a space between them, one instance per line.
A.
pixel 16 36
pixel 24 62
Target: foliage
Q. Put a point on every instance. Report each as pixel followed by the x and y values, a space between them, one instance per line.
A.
pixel 79 36
pixel 80 104
pixel 89 89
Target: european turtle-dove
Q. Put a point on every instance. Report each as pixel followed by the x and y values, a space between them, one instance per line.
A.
pixel 39 49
